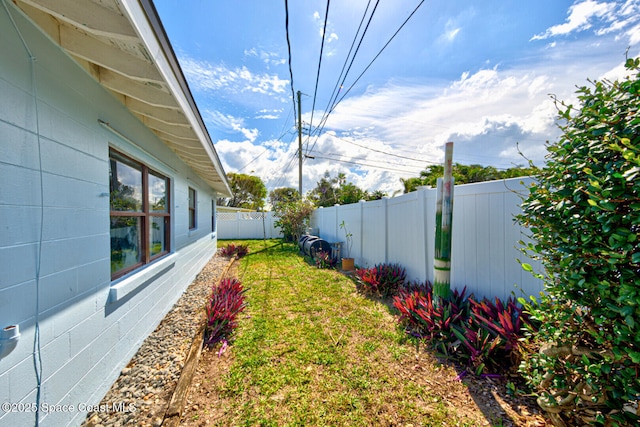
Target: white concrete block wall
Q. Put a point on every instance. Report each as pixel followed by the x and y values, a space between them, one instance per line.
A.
pixel 85 338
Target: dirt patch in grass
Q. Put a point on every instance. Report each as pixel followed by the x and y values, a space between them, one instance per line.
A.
pixel 310 350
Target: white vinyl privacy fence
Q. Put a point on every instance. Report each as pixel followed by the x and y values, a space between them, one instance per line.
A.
pixel 484 253
pixel 247 225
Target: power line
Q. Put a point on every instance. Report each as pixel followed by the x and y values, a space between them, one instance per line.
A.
pixel 286 25
pixel 326 115
pixel 324 33
pixel 377 55
pixel 386 153
pixel 339 83
pixel 283 132
pixel 363 164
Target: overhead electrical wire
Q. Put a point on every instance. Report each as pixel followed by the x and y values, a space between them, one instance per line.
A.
pixel 386 153
pixel 343 75
pixel 377 55
pixel 365 159
pixel 362 164
pixel 324 33
pixel 335 104
pixel 286 25
pixel 282 134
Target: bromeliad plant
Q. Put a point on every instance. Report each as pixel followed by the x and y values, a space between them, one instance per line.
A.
pixel 384 280
pixel 225 304
pixel 503 319
pixel 490 338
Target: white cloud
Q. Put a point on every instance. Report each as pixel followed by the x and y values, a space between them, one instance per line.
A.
pixel 450 33
pixel 228 123
pixel 579 19
pixel 206 76
pixel 582 16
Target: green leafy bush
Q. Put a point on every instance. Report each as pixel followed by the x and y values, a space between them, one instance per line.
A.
pixel 584 218
pixel 383 279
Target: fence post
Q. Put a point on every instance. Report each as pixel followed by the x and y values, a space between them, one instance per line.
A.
pixel 444 211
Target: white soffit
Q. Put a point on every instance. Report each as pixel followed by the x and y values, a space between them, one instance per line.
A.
pixel 123 45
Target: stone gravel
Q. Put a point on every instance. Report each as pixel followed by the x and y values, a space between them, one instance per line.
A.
pixel 142 393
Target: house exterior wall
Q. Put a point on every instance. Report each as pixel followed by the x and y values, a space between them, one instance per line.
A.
pixel 55 231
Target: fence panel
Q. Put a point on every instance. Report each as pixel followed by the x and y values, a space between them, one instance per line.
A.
pixel 246 225
pixel 402 230
pixel 374 232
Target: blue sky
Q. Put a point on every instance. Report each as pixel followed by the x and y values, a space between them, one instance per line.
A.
pixel 478 73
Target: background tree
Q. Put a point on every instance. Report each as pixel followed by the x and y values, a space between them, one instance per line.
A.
pixel 583 217
pixel 331 191
pixel 464 174
pixel 325 192
pixel 249 191
pixel 283 195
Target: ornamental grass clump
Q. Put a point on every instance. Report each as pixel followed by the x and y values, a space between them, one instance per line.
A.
pixel 227 301
pixel 383 280
pixel 585 227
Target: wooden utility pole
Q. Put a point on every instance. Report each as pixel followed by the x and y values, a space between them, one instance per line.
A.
pixel 299 143
pixel 444 214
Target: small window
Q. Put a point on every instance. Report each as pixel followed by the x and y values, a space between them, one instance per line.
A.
pixel 140 218
pixel 192 208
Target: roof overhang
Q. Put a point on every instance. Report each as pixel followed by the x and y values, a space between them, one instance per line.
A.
pixel 123 45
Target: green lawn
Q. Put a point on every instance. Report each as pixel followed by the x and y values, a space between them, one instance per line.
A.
pixel 311 351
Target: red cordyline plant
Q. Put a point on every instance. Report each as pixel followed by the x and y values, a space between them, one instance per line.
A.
pixel 490 338
pixel 504 319
pixel 424 318
pixel 383 279
pixel 232 249
pixel 325 260
pixel 225 304
pixel 483 335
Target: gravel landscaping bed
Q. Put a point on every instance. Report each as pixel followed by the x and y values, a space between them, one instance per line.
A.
pixel 149 379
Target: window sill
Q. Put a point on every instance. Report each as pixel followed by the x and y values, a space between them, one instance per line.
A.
pixel 123 287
